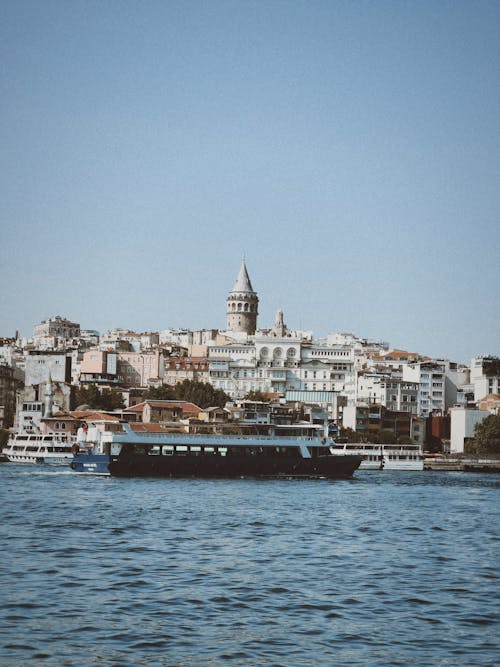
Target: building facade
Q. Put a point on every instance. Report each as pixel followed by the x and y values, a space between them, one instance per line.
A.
pixel 462 424
pixel 485 376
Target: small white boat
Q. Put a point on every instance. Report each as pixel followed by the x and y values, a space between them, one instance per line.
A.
pixel 39 448
pixel 387 457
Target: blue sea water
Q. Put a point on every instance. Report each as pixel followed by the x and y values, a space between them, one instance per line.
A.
pixel 389 568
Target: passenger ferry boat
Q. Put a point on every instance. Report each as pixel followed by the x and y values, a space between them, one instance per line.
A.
pixel 39 448
pixel 162 454
pixel 386 457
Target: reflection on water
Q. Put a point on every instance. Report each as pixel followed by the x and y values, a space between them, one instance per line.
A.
pixel 388 568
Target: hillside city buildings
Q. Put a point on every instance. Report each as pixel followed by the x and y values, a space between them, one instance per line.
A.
pixel 358 384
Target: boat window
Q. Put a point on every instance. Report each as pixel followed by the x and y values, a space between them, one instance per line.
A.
pixel 167 450
pixel 154 451
pixel 222 451
pixel 140 449
pixel 181 450
pixel 196 450
pixel 209 450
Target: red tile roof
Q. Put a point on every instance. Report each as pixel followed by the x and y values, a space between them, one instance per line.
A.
pixel 93 415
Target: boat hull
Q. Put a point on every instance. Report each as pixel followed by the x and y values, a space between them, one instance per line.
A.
pixel 37 448
pixel 233 466
pixel 91 464
pixel 40 457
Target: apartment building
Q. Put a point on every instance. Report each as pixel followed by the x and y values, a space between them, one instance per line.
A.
pixel 178 369
pixel 430 377
pixel 485 376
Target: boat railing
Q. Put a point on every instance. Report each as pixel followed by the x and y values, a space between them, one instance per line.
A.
pixel 211 437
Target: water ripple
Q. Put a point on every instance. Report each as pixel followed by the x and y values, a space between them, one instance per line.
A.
pixel 385 569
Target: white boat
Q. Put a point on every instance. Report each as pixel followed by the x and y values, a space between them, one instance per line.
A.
pixel 387 457
pixel 39 448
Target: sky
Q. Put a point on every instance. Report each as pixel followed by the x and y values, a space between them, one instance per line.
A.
pixel 350 151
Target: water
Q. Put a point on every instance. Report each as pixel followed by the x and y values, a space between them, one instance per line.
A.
pixel 389 568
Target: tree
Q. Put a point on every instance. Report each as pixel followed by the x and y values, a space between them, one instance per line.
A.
pixel 257 396
pixel 164 393
pixel 111 399
pixel 108 399
pixel 487 437
pixel 348 435
pixel 200 393
pixel 387 437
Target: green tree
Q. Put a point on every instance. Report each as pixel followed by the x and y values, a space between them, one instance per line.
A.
pixel 164 393
pixel 111 399
pixel 87 396
pixel 387 437
pixel 257 396
pixel 486 440
pixel 107 399
pixel 201 394
pixel 349 435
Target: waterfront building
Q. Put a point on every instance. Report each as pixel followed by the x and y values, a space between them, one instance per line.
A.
pixel 370 419
pixel 438 432
pixel 462 424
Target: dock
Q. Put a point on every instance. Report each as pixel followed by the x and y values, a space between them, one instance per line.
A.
pixel 458 464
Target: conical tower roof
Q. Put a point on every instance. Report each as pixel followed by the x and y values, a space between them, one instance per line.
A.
pixel 243 283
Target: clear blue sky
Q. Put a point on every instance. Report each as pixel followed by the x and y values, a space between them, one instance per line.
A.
pixel 350 150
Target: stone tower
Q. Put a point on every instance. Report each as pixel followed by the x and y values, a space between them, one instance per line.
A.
pixel 279 329
pixel 242 304
pixel 49 398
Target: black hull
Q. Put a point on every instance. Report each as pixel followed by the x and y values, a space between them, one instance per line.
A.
pixel 233 466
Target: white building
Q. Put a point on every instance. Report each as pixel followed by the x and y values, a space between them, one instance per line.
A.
pixel 462 424
pixel 51 331
pixel 393 393
pixel 430 375
pixel 485 376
